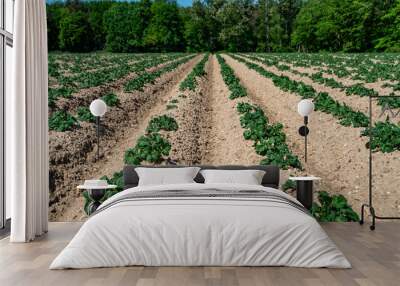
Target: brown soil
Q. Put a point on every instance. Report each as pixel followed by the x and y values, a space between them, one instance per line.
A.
pixel 356 103
pixel 377 86
pixel 209 132
pixel 209 128
pixel 72 163
pixel 85 96
pixel 337 154
pixel 226 142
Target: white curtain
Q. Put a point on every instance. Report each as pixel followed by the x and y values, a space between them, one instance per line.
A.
pixel 27 134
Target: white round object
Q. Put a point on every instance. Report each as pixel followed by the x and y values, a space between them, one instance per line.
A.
pixel 98 107
pixel 305 107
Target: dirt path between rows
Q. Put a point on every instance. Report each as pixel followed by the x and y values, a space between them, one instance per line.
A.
pixel 377 86
pixel 157 95
pixel 209 127
pixel 337 154
pixel 226 142
pixel 355 102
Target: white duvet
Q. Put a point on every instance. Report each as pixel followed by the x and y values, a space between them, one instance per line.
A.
pixel 200 231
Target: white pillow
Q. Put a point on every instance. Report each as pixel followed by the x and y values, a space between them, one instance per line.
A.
pixel 248 177
pixel 166 176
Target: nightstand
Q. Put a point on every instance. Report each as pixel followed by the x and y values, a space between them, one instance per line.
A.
pixel 96 194
pixel 304 190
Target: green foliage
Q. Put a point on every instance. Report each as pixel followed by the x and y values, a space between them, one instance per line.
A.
pixel 84 114
pixel 347 117
pixel 62 121
pixel 151 148
pixel 55 13
pixel 333 208
pixel 385 136
pixel 390 40
pixel 269 139
pixel 317 77
pixel 333 25
pixel 323 102
pixel 231 80
pixel 189 83
pixel 162 122
pixel 75 33
pixel 165 30
pixel 117 179
pixel 55 93
pixel 240 25
pixel 197 27
pixel 144 78
pixel 95 15
pixel 235 18
pixel 111 99
pixel 125 24
pixel 289 185
pixel 360 90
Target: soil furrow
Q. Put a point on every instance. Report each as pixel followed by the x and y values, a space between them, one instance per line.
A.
pixel 124 124
pixel 377 86
pixel 355 102
pixel 189 142
pixel 339 158
pixel 226 142
pixel 86 95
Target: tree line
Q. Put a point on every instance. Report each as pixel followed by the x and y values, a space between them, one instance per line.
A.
pixel 231 25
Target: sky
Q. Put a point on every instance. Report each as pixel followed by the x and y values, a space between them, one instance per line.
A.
pixel 183 3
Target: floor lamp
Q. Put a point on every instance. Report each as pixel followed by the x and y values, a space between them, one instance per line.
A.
pixel 98 108
pixel 305 108
pixel 369 205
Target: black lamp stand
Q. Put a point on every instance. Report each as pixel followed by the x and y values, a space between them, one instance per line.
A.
pixel 304 131
pixel 98 137
pixel 370 186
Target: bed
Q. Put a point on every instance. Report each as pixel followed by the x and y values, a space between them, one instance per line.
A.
pixel 197 224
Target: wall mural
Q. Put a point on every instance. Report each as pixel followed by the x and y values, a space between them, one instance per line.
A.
pixel 231 107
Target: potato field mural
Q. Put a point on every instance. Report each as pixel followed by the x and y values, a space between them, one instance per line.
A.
pixel 227 102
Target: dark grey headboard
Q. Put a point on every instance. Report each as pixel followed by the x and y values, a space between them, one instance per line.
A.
pixel 271 177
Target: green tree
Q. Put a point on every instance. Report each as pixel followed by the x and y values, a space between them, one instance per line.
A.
pixel 125 24
pixel 270 31
pixel 317 27
pixel 237 26
pixel 55 12
pixel 75 32
pixel 95 11
pixel 390 41
pixel 165 30
pixel 197 30
pixel 288 9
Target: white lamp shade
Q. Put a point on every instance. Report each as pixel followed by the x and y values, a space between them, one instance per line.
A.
pixel 98 107
pixel 305 107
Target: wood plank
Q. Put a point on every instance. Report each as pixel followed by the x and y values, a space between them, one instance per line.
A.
pixel 375 257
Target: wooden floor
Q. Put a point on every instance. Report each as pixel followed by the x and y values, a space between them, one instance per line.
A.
pixel 375 257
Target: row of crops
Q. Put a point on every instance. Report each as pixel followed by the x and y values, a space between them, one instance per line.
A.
pixel 386 134
pixel 153 147
pixel 69 82
pixel 321 77
pixel 369 68
pixel 269 139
